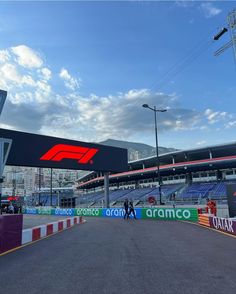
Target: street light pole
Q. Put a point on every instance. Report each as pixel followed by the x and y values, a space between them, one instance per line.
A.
pixel 155 110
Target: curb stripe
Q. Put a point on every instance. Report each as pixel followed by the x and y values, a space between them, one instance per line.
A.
pixel 30 243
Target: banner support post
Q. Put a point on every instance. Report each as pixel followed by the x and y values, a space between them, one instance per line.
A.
pixel 106 188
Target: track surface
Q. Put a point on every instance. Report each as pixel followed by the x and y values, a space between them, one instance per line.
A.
pixel 118 256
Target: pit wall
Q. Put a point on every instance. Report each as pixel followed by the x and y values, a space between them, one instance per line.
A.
pixel 182 214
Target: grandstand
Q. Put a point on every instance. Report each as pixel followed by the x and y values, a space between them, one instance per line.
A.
pixel 61 196
pixel 194 175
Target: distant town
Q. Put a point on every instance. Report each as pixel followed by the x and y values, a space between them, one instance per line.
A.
pixel 23 181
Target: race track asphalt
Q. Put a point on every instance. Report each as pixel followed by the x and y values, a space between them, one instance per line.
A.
pixel 123 257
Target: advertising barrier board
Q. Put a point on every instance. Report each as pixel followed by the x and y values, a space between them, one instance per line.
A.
pixel 187 214
pixel 63 211
pixel 223 224
pixel 45 210
pixel 184 214
pixel 120 212
pixel 29 210
pixel 88 211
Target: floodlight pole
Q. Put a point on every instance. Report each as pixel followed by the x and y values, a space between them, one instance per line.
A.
pixel 51 188
pixel 106 188
pixel 155 110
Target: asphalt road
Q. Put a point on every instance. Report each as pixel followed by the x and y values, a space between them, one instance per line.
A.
pixel 30 221
pixel 118 256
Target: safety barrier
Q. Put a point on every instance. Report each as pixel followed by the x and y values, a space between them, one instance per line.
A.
pixel 183 214
pixel 10 231
pixel 203 219
pixel 227 225
pixel 39 232
pixel 12 236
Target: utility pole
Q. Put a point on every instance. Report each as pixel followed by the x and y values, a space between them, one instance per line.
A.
pixel 39 184
pixel 231 21
pixel 232 27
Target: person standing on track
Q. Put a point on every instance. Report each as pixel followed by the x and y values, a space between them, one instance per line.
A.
pixel 126 206
pixel 131 209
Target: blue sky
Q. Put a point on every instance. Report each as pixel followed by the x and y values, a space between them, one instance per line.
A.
pixel 82 70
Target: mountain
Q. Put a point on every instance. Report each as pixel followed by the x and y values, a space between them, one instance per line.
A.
pixel 137 150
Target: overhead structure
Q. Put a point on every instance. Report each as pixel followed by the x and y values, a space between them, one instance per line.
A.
pixel 231 20
pixel 220 34
pixel 3 96
pixel 51 152
pixel 232 27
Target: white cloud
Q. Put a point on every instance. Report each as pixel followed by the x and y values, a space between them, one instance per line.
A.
pixel 27 57
pixel 10 73
pixel 230 124
pixel 216 116
pixel 184 4
pixel 10 77
pixel 4 56
pixel 209 9
pixel 34 105
pixel 200 143
pixel 45 73
pixel 70 82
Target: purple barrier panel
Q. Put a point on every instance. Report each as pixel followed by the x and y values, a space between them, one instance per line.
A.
pixel 223 224
pixel 10 231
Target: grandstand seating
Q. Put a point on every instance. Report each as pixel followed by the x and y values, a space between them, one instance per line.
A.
pixel 117 197
pixel 191 193
pixel 219 191
pixel 196 191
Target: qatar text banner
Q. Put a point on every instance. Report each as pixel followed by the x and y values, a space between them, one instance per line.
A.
pixel 223 224
pixel 52 152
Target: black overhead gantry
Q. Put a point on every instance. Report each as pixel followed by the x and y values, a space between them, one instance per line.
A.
pixel 50 152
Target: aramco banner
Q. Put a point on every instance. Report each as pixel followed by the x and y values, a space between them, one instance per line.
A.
pixel 88 211
pixel 184 214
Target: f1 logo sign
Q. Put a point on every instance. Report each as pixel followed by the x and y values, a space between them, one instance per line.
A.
pixel 62 151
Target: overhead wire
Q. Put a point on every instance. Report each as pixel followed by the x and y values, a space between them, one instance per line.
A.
pixel 180 65
pixel 190 56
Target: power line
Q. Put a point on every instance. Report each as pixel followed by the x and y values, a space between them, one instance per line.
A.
pixel 179 66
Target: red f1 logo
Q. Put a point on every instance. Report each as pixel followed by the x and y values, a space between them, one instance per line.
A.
pixel 62 151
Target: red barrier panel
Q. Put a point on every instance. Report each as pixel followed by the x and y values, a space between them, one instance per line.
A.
pixel 75 220
pixel 10 231
pixel 80 219
pixel 60 226
pixel 49 229
pixel 199 210
pixel 36 232
pixel 68 223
